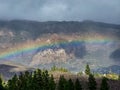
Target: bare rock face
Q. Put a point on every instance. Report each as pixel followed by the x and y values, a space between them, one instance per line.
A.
pixel 48 56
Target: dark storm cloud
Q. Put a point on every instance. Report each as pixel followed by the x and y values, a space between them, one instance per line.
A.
pixel 46 10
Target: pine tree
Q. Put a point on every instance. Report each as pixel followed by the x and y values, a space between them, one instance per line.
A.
pixel 62 84
pixel 38 80
pixel 119 77
pixel 1 86
pixel 21 82
pixel 45 77
pixel 70 85
pixel 104 84
pixel 28 80
pixel 87 70
pixel 78 85
pixel 92 83
pixel 13 83
pixel 53 68
pixel 52 83
pixel 25 81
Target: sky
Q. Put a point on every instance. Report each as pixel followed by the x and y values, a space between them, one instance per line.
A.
pixel 61 10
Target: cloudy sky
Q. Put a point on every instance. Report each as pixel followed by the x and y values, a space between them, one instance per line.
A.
pixel 61 10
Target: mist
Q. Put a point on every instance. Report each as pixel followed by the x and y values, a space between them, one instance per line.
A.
pixel 61 10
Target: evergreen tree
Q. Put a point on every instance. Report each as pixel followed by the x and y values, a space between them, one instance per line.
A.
pixel 28 80
pixel 70 85
pixel 92 83
pixel 87 70
pixel 78 85
pixel 21 81
pixel 62 84
pixel 104 84
pixel 53 68
pixel 1 86
pixel 45 77
pixel 119 77
pixel 13 83
pixel 25 81
pixel 66 85
pixel 52 83
pixel 38 80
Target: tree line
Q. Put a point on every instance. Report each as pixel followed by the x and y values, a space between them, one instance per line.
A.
pixel 42 80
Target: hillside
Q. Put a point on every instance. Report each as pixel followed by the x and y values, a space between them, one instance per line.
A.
pixel 66 44
pixel 60 80
pixel 9 69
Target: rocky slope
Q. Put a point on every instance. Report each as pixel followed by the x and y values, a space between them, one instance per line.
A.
pixel 65 44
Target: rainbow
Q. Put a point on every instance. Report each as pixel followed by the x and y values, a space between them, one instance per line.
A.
pixel 35 46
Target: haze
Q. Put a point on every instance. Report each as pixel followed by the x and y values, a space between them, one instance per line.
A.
pixel 61 10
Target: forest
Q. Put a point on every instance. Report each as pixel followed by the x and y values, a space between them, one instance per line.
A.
pixel 43 80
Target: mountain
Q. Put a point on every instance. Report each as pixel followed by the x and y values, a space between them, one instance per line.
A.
pixel 8 69
pixel 110 69
pixel 68 44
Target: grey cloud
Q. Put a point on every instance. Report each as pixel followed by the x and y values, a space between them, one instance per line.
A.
pixel 75 10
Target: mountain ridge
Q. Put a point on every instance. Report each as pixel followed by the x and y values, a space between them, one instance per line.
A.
pixel 82 42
